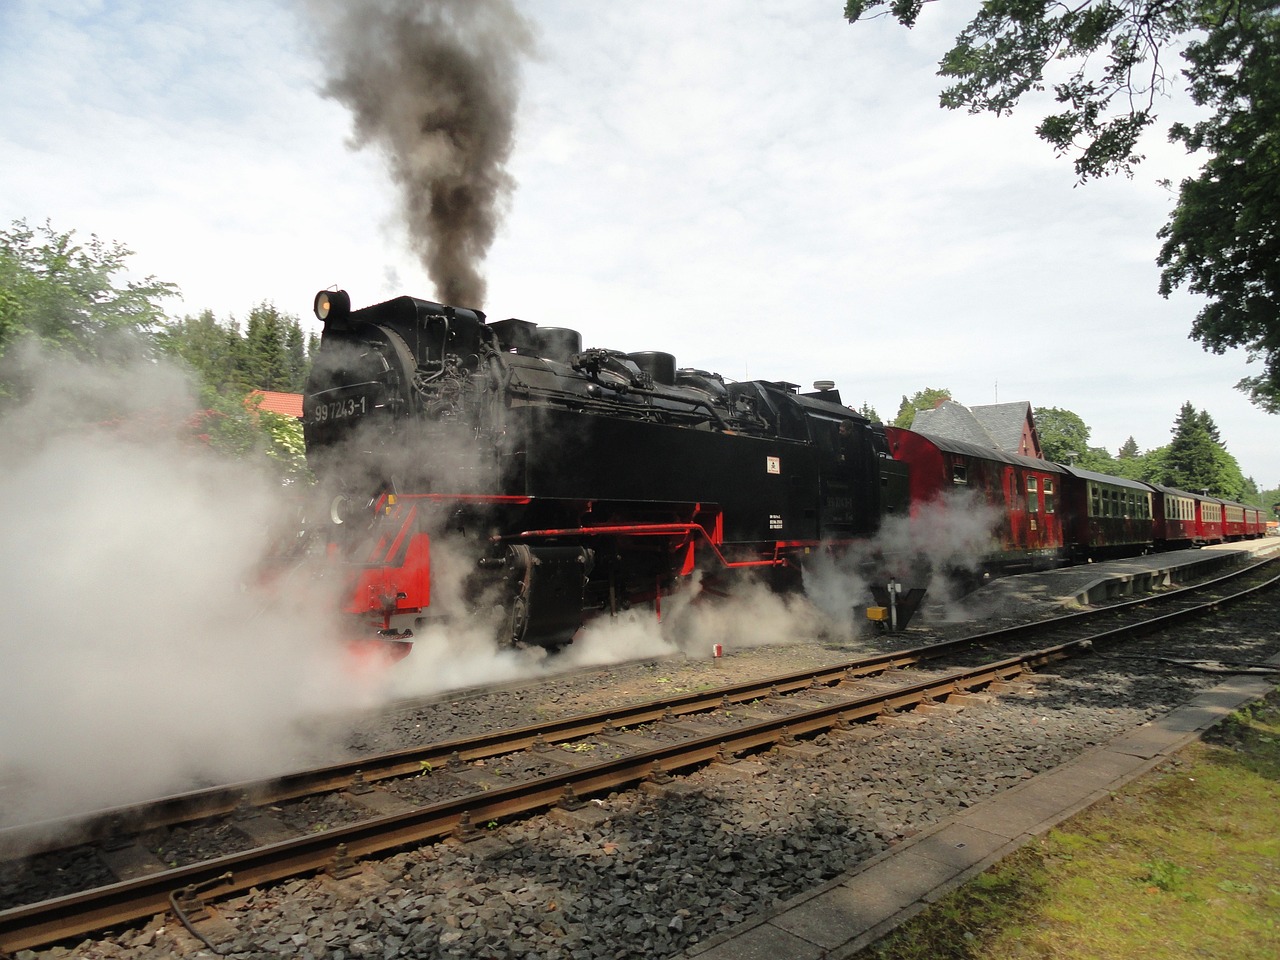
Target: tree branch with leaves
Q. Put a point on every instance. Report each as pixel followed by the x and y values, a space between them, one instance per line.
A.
pixel 1111 56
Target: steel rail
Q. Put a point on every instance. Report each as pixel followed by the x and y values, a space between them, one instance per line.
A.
pixel 78 914
pixel 45 836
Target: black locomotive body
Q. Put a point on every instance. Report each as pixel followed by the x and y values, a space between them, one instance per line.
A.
pixel 568 481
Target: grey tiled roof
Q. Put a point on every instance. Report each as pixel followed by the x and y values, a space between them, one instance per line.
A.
pixel 994 425
pixel 953 420
pixel 1004 421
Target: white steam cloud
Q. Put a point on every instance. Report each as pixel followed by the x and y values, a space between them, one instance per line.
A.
pixel 138 657
pixel 942 538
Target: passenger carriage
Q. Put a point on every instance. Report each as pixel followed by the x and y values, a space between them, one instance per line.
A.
pixel 1106 516
pixel 1212 515
pixel 1181 518
pixel 1236 523
pixel 1023 492
pixel 1255 523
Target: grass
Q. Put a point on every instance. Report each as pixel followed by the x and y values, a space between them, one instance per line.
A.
pixel 1182 863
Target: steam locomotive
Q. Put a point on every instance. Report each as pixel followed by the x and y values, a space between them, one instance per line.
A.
pixel 570 482
pixel 563 483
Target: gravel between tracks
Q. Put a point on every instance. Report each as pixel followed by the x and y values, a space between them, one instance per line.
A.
pixel 665 872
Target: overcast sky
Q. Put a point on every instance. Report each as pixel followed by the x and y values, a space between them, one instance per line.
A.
pixel 761 190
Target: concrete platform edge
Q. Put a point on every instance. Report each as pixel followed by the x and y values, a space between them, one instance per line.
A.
pixel 1129 765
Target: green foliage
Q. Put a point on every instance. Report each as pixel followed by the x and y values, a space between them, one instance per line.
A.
pixel 1099 460
pixel 1223 239
pixel 925 399
pixel 1269 500
pixel 1195 461
pixel 270 355
pixel 1164 875
pixel 215 352
pixel 868 411
pixel 1064 438
pixel 1191 463
pixel 71 296
pixel 232 424
pixel 1110 52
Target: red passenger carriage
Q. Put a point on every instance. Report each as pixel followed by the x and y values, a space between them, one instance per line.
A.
pixel 1255 523
pixel 1175 517
pixel 1211 517
pixel 1237 524
pixel 960 475
pixel 1106 516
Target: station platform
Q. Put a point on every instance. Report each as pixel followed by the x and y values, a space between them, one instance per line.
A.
pixel 1091 583
pixel 849 913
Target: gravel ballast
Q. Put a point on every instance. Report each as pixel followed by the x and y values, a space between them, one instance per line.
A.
pixel 653 872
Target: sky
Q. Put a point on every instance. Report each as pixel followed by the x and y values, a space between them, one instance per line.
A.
pixel 764 191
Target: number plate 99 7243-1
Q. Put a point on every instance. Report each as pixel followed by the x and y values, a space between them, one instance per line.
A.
pixel 339 409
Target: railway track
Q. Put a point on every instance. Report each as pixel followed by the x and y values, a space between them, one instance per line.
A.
pixel 765 713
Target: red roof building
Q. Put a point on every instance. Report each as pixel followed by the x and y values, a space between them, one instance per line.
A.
pixel 285 404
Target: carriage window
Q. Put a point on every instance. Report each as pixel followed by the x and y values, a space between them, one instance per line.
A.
pixel 1033 500
pixel 959 473
pixel 1048 495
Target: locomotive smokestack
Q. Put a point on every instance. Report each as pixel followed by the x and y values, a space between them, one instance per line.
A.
pixel 434 84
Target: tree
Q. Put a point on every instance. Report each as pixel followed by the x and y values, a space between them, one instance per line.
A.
pixel 1195 462
pixel 265 364
pixel 70 296
pixel 1211 428
pixel 273 354
pixel 1223 238
pixel 1004 51
pixel 1128 450
pixel 1100 460
pixel 925 399
pixel 213 351
pixel 1064 438
pixel 868 411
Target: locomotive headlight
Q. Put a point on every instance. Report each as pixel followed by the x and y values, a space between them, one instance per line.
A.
pixel 332 305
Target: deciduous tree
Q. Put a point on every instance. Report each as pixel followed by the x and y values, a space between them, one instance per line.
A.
pixel 73 296
pixel 1111 61
pixel 925 399
pixel 1064 438
pixel 1223 240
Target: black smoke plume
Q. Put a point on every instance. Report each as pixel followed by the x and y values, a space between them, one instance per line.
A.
pixel 434 84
